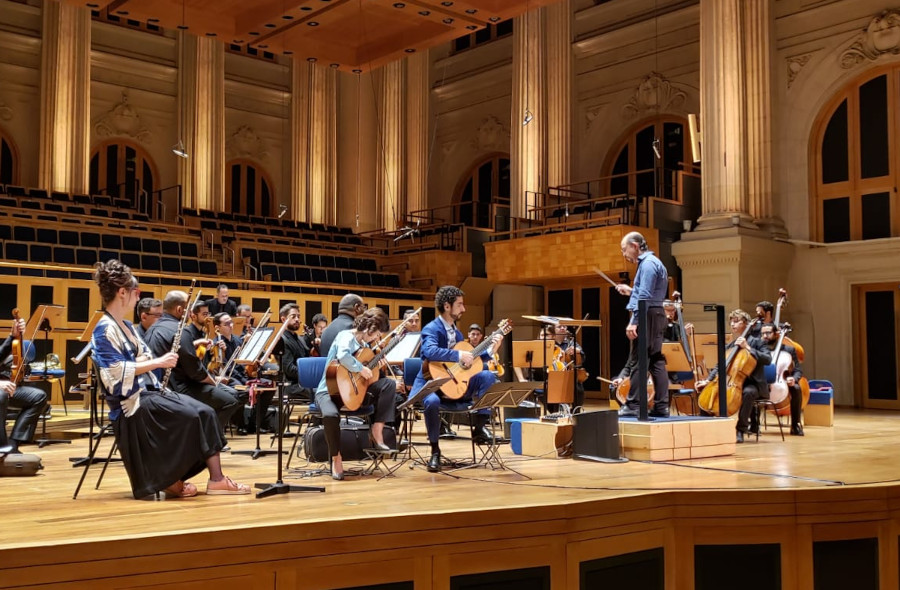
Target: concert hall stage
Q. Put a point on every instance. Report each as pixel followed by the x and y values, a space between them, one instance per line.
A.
pixel 803 508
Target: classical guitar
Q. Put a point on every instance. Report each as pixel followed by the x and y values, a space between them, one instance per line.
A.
pixel 460 375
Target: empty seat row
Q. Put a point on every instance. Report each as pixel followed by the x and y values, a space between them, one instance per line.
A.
pixel 90 239
pixel 207 214
pixel 41 253
pixel 258 256
pixel 90 209
pixel 22 192
pixel 303 274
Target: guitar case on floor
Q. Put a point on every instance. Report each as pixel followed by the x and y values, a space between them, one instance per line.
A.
pixel 19 464
pixel 354 438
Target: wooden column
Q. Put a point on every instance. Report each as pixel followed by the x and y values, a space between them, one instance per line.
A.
pixel 417 117
pixel 65 140
pixel 202 121
pixel 299 167
pixel 559 101
pixel 391 161
pixel 322 170
pixel 527 155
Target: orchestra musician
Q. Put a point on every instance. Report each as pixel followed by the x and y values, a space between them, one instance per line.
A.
pixel 769 335
pixel 229 343
pixel 312 340
pixel 244 311
pixel 569 348
pixel 293 349
pixel 651 283
pixel 367 329
pixel 349 308
pixel 438 339
pixel 29 401
pixel 149 310
pixel 475 335
pixel 755 386
pixel 221 303
pixel 163 438
pixel 765 311
pixel 189 376
pixel 413 321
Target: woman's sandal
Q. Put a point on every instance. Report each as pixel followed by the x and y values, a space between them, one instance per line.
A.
pixel 181 489
pixel 226 487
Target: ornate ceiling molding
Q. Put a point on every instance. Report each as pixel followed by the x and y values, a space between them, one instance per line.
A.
pixel 881 36
pixel 245 143
pixel 654 93
pixel 123 119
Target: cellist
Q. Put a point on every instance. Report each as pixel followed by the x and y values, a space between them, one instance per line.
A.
pixel 30 401
pixel 769 334
pixel 755 386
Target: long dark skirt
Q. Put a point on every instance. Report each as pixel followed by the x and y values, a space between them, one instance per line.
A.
pixel 167 440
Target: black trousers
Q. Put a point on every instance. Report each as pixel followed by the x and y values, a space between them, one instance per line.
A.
pixel 381 393
pixel 656 363
pixel 30 402
pixel 749 395
pixel 796 405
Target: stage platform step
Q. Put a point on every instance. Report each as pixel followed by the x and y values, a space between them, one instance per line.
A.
pixel 676 438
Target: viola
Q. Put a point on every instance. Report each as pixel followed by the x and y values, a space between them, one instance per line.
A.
pixel 738 366
pixel 18 365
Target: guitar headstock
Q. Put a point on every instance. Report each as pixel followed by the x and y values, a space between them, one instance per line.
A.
pixel 505 327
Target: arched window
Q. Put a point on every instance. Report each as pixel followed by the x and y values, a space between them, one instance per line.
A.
pixel 248 189
pixel 635 165
pixel 856 167
pixel 9 160
pixel 122 169
pixel 485 183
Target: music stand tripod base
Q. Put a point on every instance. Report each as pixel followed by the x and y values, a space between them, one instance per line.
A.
pixel 407 408
pixel 259 452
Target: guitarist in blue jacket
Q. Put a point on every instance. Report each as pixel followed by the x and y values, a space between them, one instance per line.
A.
pixel 438 339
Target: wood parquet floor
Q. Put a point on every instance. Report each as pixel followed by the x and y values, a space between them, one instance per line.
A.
pixel 40 511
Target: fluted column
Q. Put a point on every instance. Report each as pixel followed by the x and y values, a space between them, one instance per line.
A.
pixel 392 164
pixel 322 145
pixel 527 157
pixel 202 121
pixel 723 110
pixel 559 101
pixel 417 130
pixel 65 98
pixel 299 167
pixel 758 26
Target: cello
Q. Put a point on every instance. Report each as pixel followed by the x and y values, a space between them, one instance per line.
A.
pixel 782 302
pixel 689 351
pixel 738 366
pixel 17 373
pixel 779 394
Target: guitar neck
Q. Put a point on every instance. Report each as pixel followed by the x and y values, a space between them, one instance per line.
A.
pixel 384 350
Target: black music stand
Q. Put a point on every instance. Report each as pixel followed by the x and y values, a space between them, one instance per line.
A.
pixel 273 345
pixel 408 410
pixel 258 451
pixel 499 395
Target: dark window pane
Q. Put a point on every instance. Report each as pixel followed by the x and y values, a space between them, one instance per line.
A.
pixel 873 128
pixel 251 190
pixel 876 216
pixel 265 198
pixel 236 188
pixel 112 164
pixel 94 174
pixel 834 148
pixel 836 219
pixel 619 186
pixel 644 185
pixel 147 178
pixel 6 163
pixel 881 344
pixel 644 158
pixel 485 173
pixel 503 182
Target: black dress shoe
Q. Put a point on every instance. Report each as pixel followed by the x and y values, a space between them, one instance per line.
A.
pixel 740 437
pixel 655 414
pixel 625 411
pixel 483 436
pixel 434 464
pixel 797 430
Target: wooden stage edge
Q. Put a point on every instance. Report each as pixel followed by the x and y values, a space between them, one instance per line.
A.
pixel 834 483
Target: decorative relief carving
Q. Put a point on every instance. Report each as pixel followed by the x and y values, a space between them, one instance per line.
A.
pixel 447 147
pixel 491 134
pixel 6 112
pixel 880 37
pixel 794 65
pixel 245 143
pixel 591 114
pixel 654 93
pixel 123 119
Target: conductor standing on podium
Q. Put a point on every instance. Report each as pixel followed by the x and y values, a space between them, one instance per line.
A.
pixel 651 282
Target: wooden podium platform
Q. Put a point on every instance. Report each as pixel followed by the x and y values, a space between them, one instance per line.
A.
pixel 672 439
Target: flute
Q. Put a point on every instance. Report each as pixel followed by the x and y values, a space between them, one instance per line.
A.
pixel 176 344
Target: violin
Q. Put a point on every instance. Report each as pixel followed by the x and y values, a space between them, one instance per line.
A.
pixel 217 363
pixel 495 366
pixel 18 364
pixel 738 366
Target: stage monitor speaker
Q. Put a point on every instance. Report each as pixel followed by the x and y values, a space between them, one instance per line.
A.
pixel 596 436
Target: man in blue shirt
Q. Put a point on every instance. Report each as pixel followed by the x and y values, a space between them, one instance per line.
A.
pixel 651 282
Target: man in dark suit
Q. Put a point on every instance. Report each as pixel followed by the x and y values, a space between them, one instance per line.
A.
pixel 438 339
pixel 769 335
pixel 351 305
pixel 221 303
pixel 755 386
pixel 293 349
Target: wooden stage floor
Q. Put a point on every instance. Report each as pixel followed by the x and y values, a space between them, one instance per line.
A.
pixel 39 512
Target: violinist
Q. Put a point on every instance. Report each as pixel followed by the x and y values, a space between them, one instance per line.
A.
pixel 312 340
pixel 413 321
pixel 367 329
pixel 228 343
pixel 475 335
pixel 244 311
pixel 29 401
pixel 189 376
pixel 755 386
pixel 769 334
